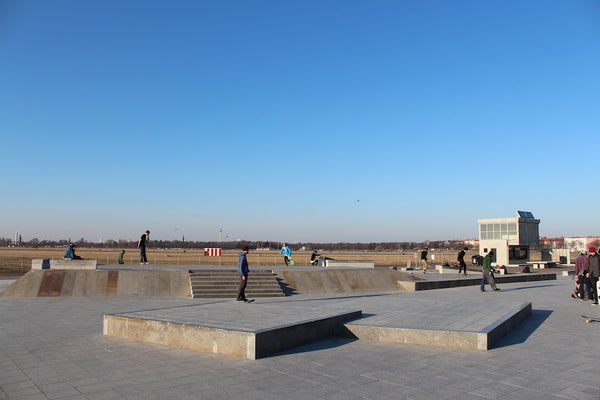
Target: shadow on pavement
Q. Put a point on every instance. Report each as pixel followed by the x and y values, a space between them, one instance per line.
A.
pixel 524 329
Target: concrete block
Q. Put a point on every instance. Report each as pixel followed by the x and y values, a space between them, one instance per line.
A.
pixel 165 328
pixel 40 263
pixel 482 339
pixel 444 270
pixel 329 263
pixel 63 263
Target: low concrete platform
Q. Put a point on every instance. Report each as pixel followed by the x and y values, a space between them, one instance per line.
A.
pixel 63 263
pixel 260 329
pixel 479 330
pixel 244 330
pixel 331 263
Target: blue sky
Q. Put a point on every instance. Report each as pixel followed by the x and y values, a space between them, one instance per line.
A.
pixel 272 118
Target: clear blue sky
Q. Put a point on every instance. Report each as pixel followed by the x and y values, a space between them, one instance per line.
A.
pixel 272 118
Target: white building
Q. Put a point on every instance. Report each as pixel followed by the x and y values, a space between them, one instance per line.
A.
pixel 510 238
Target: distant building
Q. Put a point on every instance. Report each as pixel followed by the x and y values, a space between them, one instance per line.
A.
pixel 580 243
pixel 472 242
pixel 553 243
pixel 18 239
pixel 510 238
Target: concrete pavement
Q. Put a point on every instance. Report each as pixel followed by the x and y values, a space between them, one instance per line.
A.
pixel 53 348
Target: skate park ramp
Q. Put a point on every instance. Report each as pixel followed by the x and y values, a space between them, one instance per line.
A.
pixel 101 283
pixel 269 326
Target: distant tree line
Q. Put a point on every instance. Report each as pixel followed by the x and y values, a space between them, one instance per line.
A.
pixel 232 245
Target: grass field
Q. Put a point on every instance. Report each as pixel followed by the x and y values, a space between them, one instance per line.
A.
pixel 18 260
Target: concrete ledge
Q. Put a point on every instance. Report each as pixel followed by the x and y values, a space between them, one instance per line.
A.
pixel 543 264
pixel 463 339
pixel 445 270
pixel 568 273
pixel 173 328
pixel 100 283
pixel 504 325
pixel 430 285
pixel 329 263
pixel 64 263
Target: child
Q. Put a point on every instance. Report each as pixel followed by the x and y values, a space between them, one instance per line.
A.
pixel 120 258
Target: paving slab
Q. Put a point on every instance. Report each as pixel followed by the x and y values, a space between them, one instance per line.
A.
pixel 45 342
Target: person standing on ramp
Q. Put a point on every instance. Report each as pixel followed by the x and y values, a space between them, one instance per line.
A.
pixel 244 271
pixel 142 246
pixel 287 254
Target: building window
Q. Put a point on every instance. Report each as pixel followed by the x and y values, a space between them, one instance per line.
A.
pixel 504 231
pixel 518 253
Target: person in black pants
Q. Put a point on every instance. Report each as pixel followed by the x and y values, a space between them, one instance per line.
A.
pixel 461 261
pixel 244 270
pixel 142 246
pixel 594 273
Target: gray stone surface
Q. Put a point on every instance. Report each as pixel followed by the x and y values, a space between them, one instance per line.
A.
pixel 53 348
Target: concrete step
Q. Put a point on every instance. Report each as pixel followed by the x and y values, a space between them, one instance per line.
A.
pixel 224 284
pixel 233 294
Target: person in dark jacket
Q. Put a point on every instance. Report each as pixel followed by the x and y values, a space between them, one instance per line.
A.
pixel 142 246
pixel 244 271
pixel 314 258
pixel 594 273
pixel 424 260
pixel 461 261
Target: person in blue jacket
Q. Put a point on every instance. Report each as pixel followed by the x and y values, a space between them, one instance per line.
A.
pixel 70 252
pixel 287 253
pixel 244 271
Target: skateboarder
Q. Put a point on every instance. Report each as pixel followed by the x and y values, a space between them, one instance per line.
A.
pixel 424 260
pixel 142 246
pixel 244 271
pixel 287 253
pixel 487 272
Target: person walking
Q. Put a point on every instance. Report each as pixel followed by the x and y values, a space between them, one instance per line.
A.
pixel 424 260
pixel 487 272
pixel 244 271
pixel 287 253
pixel 594 273
pixel 461 261
pixel 142 246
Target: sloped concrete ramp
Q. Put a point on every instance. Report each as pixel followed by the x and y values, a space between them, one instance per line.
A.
pixel 94 283
pixel 238 329
pixel 260 329
pixel 478 329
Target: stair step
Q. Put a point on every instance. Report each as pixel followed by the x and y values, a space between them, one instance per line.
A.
pixel 224 284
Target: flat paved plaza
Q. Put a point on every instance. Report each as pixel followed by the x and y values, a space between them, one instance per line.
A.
pixel 53 348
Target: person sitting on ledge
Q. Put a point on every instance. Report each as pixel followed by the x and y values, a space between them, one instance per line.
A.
pixel 314 258
pixel 70 252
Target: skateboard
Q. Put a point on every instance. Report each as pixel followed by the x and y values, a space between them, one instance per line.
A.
pixel 590 319
pixel 249 301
